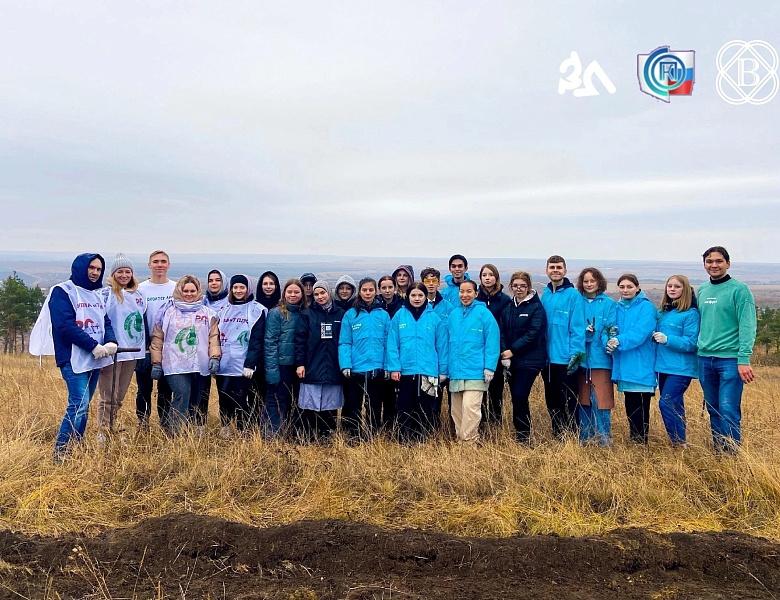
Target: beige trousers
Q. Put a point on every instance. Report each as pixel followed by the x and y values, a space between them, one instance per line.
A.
pixel 105 409
pixel 466 409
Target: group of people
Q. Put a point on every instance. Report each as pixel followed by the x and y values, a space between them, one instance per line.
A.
pixel 287 358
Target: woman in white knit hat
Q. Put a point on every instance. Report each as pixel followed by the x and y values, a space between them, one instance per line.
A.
pixel 125 306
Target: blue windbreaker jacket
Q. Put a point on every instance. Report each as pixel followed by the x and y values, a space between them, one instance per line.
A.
pixel 363 339
pixel 565 322
pixel 602 311
pixel 473 341
pixel 678 355
pixel 451 292
pixel 417 347
pixel 634 358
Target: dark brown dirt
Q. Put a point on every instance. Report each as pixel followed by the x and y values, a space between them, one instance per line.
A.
pixel 190 556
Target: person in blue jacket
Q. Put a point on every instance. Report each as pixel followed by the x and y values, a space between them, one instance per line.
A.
pixel 279 352
pixel 317 366
pixel 84 341
pixel 491 294
pixel 417 360
pixel 473 353
pixel 676 362
pixel 523 331
pixel 362 360
pixel 459 268
pixel 565 348
pixel 633 355
pixel 442 307
pixel 596 392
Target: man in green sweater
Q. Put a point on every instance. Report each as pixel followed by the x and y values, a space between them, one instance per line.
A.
pixel 726 339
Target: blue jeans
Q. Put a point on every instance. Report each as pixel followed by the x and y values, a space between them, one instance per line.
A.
pixel 722 388
pixel 595 422
pixel 670 402
pixel 186 389
pixel 81 387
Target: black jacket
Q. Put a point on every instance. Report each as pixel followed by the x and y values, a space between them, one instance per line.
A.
pixel 393 306
pixel 317 344
pixel 524 331
pixel 495 303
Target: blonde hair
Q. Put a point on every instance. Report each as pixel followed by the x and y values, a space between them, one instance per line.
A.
pixel 117 289
pixel 685 301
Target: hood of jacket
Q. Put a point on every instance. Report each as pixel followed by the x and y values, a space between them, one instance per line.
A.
pixel 566 284
pixel 79 271
pixel 484 296
pixel 222 292
pixel 350 281
pixel 448 279
pixel 268 301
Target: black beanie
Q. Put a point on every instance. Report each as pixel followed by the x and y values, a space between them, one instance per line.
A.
pixel 239 279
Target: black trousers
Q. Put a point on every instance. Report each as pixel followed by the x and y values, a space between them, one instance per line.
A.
pixel 143 398
pixel 317 426
pixel 560 394
pixel 493 400
pixel 232 392
pixel 520 383
pixel 638 413
pixel 363 388
pixel 416 410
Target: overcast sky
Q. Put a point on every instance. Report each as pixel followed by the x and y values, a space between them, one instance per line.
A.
pixel 379 129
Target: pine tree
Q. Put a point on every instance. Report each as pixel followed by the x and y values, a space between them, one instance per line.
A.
pixel 19 308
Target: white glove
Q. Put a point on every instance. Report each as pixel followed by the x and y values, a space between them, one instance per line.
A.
pixel 248 373
pixel 660 337
pixel 590 328
pixel 506 362
pixel 346 373
pixel 488 375
pixel 111 348
pixel 612 343
pixel 99 352
pixel 442 379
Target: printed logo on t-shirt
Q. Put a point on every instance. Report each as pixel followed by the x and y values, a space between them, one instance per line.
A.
pixel 711 301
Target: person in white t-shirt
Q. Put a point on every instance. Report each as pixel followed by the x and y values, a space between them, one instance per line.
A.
pixel 157 291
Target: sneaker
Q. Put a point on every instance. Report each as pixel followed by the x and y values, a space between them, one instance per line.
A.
pixel 102 438
pixel 200 431
pixel 224 433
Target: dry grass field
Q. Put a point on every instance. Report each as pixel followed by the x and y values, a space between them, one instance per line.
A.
pixel 498 489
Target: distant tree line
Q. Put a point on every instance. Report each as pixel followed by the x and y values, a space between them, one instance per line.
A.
pixel 768 331
pixel 19 308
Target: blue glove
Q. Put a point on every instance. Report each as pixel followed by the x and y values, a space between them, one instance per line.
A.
pixel 213 366
pixel 157 372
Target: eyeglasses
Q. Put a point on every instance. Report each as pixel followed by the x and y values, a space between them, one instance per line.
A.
pixel 429 280
pixel 519 286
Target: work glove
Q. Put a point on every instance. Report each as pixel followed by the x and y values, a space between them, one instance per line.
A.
pixel 506 362
pixel 248 373
pixel 574 363
pixel 612 343
pixel 346 373
pixel 660 337
pixel 157 372
pixel 111 348
pixel 387 375
pixel 144 363
pixel 488 375
pixel 591 328
pixel 99 352
pixel 213 366
pixel 442 379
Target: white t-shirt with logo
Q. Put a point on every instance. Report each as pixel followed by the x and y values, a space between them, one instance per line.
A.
pixel 157 295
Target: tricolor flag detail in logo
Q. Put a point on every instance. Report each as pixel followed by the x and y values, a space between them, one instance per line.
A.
pixel 664 73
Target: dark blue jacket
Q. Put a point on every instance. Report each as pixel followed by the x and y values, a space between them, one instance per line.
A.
pixel 63 316
pixel 523 330
pixel 496 302
pixel 317 353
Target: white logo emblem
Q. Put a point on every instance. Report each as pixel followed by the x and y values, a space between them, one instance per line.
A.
pixel 747 72
pixel 574 80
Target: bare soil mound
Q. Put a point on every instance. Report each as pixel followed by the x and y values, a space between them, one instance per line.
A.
pixel 191 556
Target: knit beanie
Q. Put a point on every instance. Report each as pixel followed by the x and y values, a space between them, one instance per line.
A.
pixel 322 284
pixel 120 262
pixel 239 279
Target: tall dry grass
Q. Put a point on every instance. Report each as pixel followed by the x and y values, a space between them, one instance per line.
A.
pixel 498 489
